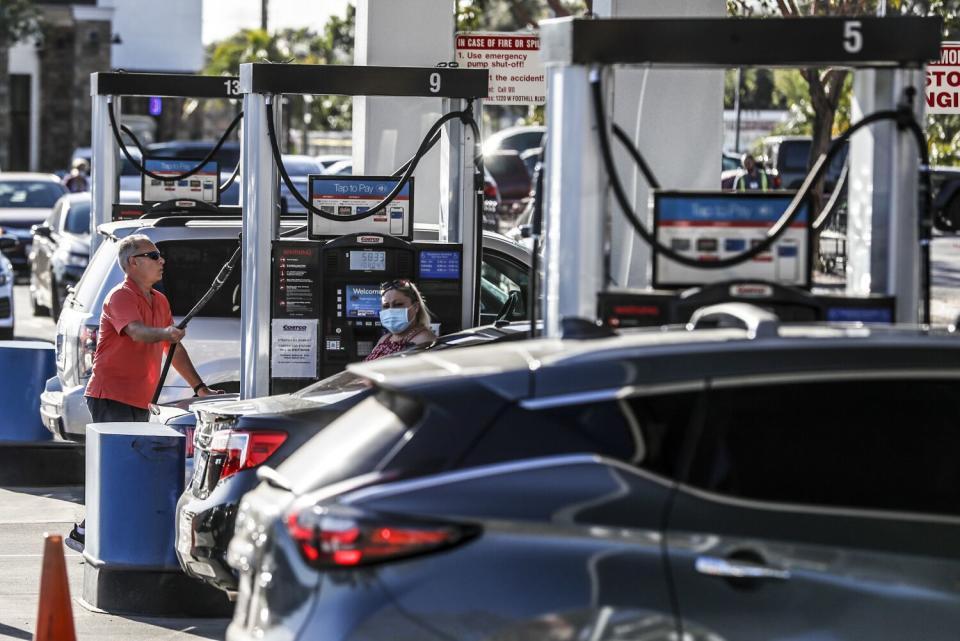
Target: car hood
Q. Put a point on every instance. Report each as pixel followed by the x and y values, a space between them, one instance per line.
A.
pixel 22 216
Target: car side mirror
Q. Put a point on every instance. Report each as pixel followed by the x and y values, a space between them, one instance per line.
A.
pixel 41 230
pixel 946 208
pixel 8 242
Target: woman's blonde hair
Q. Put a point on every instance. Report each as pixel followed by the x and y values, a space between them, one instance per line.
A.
pixel 409 289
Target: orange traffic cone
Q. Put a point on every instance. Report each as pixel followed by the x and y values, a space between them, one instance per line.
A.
pixel 55 614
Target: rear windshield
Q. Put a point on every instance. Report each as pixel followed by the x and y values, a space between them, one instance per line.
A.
pixel 78 218
pixel 189 269
pixel 30 193
pixel 356 443
pixel 794 155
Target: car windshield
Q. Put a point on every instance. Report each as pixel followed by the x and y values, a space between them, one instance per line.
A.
pixel 302 166
pixel 345 383
pixel 41 194
pixel 78 218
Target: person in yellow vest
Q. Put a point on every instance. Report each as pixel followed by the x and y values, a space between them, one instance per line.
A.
pixel 752 177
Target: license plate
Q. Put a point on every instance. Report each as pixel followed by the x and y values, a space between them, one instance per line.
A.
pixel 199 469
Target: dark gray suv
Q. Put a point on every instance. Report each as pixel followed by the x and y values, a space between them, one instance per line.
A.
pixel 764 482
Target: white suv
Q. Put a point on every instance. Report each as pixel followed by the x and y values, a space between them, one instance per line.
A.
pixel 195 250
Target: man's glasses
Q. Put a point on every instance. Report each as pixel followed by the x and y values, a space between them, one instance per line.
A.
pixel 393 284
pixel 154 255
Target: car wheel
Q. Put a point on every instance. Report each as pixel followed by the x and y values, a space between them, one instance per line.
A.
pixel 6 333
pixel 56 302
pixel 38 309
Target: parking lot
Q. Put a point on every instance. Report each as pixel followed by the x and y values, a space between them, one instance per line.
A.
pixel 28 513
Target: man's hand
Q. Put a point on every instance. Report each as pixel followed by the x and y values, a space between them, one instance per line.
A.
pixel 208 391
pixel 173 334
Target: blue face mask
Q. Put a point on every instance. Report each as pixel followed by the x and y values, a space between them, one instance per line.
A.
pixel 394 320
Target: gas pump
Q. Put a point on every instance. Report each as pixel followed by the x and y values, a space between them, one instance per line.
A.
pixel 319 297
pixel 726 247
pixel 172 185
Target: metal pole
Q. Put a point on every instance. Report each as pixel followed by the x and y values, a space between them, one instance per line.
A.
pixel 574 190
pixel 258 202
pixel 104 180
pixel 736 140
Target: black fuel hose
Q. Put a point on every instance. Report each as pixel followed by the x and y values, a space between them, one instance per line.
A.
pixel 411 165
pixel 143 170
pixel 903 116
pixel 218 282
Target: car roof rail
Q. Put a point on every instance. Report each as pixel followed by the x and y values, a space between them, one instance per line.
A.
pixel 759 322
pixel 171 220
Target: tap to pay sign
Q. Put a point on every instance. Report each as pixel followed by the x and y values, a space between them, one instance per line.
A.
pixel 943 81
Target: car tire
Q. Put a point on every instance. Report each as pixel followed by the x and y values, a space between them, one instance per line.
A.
pixel 56 305
pixel 6 333
pixel 38 309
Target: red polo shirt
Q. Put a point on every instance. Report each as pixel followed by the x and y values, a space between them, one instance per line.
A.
pixel 126 370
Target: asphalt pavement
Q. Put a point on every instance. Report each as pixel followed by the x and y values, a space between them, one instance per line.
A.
pixel 26 514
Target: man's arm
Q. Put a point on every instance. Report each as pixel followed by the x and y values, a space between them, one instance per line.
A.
pixel 144 334
pixel 183 365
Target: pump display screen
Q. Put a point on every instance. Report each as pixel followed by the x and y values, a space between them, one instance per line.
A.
pixel 343 196
pixel 202 186
pixel 365 261
pixel 439 265
pixel 362 301
pixel 711 226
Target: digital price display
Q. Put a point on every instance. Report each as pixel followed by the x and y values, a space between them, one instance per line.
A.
pixel 362 301
pixel 439 265
pixel 202 186
pixel 712 226
pixel 346 196
pixel 368 261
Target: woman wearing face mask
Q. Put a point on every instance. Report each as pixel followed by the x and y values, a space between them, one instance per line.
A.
pixel 405 317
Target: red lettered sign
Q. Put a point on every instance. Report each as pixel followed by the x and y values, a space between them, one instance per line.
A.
pixel 943 81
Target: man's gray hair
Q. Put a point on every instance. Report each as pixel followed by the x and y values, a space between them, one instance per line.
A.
pixel 128 247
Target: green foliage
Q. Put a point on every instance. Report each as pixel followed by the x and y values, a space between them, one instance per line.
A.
pixel 511 15
pixel 19 19
pixel 333 46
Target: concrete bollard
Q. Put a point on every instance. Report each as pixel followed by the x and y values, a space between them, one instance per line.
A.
pixel 134 478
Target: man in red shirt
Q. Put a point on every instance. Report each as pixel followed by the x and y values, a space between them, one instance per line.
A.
pixel 136 327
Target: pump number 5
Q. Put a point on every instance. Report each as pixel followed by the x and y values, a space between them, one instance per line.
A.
pixel 434 82
pixel 852 36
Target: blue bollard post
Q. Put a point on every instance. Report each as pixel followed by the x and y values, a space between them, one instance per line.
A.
pixel 134 478
pixel 26 365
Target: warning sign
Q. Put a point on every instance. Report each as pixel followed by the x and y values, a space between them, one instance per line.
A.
pixel 517 76
pixel 943 81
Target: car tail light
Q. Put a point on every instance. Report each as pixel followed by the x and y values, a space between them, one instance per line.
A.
pixel 777 183
pixel 337 537
pixel 243 449
pixel 86 348
pixel 490 191
pixel 191 431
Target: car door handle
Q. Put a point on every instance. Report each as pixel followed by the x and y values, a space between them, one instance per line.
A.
pixel 733 569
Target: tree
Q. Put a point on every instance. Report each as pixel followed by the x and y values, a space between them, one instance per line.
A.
pixel 333 46
pixel 19 19
pixel 510 15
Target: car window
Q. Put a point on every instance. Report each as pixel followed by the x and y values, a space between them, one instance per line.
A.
pixel 302 166
pixel 78 218
pixel 95 275
pixel 498 277
pixel 189 269
pixel 29 193
pixel 873 444
pixel 794 155
pixel 645 432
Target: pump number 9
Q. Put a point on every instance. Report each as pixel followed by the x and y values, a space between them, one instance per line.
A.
pixel 434 82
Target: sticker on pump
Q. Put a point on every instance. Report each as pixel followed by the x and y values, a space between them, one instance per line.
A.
pixel 186 203
pixel 369 240
pixel 751 290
